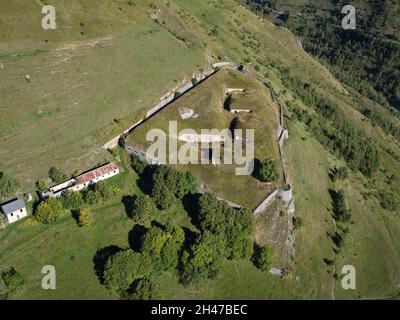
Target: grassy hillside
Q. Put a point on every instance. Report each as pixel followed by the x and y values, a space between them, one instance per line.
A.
pixel 87 87
pixel 84 89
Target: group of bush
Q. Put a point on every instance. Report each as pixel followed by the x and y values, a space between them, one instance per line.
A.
pixel 10 282
pixel 49 210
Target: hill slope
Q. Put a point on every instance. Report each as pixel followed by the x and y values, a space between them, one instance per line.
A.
pixel 101 70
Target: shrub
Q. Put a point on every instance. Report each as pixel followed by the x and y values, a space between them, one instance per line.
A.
pixel 262 257
pixel 83 218
pixel 48 211
pixel 13 280
pixel 267 171
pixel 41 185
pixel 30 222
pixel 388 201
pixel 91 197
pixel 138 165
pixel 72 200
pixel 195 81
pixel 298 222
pixel 105 190
pixel 340 210
pixel 57 175
pixel 339 174
pixel 162 196
pixel 143 208
pixel 7 185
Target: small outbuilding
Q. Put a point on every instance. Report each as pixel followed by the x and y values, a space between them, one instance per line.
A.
pixel 14 210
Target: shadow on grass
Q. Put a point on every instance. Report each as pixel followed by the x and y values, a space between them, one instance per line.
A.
pixel 128 202
pixel 100 260
pixel 75 215
pixel 145 181
pixel 257 166
pixel 135 236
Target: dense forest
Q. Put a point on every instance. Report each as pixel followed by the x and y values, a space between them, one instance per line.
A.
pixel 367 58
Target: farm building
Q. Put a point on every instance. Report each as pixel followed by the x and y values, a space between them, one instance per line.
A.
pixel 14 210
pixel 92 177
pixel 84 180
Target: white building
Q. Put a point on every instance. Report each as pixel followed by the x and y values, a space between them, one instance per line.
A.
pixel 84 180
pixel 92 177
pixel 14 210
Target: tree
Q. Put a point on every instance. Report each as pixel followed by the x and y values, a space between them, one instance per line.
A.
pixel 105 190
pixel 57 175
pixel 180 183
pixel 143 208
pixel 13 280
pixel 238 232
pixel 124 267
pixel 340 211
pixel 234 226
pixel 339 174
pixel 388 200
pixel 83 218
pixel 48 211
pixel 138 165
pixel 7 185
pixel 162 196
pixel 163 246
pixel 41 185
pixel 145 289
pixel 203 259
pixel 91 197
pixel 72 200
pixel 262 257
pixel 267 171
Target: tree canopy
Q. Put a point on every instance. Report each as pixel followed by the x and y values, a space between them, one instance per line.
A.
pixel 143 208
pixel 262 257
pixel 48 211
pixel 124 267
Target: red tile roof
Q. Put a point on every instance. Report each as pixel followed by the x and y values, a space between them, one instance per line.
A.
pixel 98 172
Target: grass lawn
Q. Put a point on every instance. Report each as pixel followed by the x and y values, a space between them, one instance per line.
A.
pixel 84 90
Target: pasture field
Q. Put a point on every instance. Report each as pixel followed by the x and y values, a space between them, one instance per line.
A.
pixel 82 91
pixel 92 78
pixel 73 252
